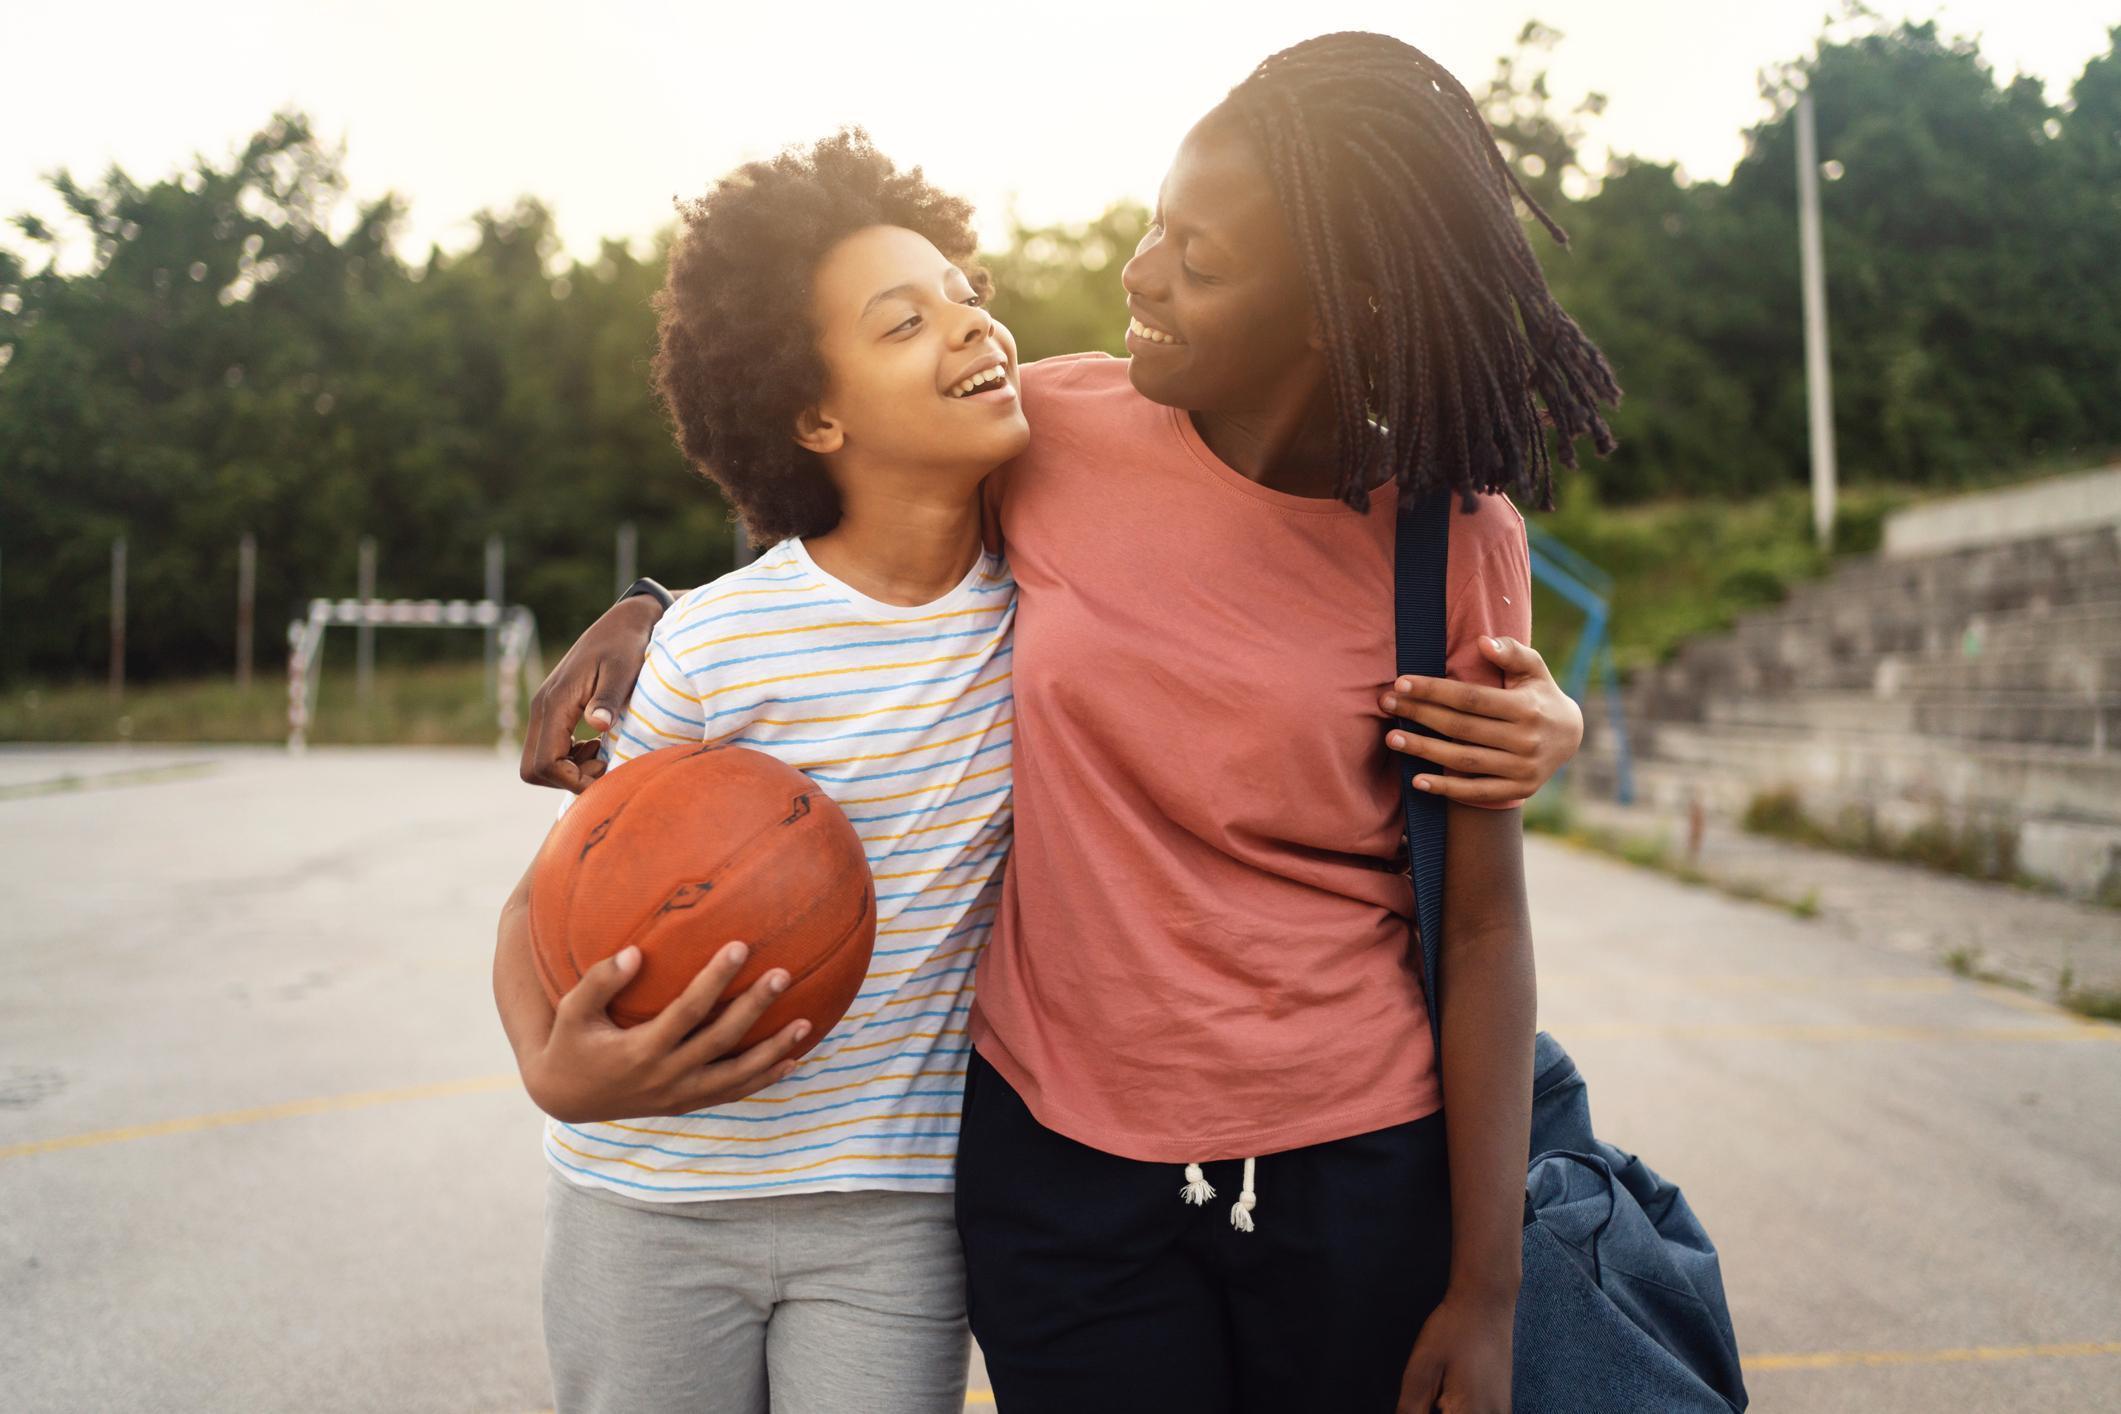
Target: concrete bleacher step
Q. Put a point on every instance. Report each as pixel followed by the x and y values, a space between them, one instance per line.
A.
pixel 2060 669
pixel 2044 718
pixel 1977 682
pixel 1858 627
pixel 2003 778
pixel 2061 650
pixel 1842 711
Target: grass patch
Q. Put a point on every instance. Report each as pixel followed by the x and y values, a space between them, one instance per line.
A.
pixel 1557 817
pixel 1682 568
pixel 440 704
pixel 1972 849
pixel 2098 1003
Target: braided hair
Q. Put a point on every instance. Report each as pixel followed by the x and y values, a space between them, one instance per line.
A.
pixel 1450 373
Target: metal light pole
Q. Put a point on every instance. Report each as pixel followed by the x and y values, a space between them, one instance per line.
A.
pixel 1818 386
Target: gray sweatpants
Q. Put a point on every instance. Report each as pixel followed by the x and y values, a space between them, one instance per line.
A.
pixel 809 1303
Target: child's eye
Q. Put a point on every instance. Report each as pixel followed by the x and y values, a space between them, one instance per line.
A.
pixel 977 301
pixel 910 322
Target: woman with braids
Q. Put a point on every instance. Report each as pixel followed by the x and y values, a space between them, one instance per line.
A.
pixel 1209 1160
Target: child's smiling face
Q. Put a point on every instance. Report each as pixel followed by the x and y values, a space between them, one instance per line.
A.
pixel 918 374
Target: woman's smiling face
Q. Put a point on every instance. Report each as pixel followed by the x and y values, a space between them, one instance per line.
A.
pixel 1219 319
pixel 917 372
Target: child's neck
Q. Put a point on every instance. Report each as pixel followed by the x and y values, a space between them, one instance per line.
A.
pixel 900 552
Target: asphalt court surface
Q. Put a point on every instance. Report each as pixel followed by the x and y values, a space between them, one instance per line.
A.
pixel 261 1146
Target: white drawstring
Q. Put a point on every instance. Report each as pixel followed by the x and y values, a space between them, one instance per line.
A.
pixel 1241 1210
pixel 1198 1191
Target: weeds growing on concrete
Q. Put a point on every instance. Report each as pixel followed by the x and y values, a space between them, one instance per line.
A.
pixel 2094 1002
pixel 1973 849
pixel 1552 814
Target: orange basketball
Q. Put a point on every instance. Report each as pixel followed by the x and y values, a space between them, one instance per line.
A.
pixel 689 848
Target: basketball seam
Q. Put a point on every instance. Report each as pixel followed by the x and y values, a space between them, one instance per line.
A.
pixel 647 788
pixel 865 909
pixel 798 978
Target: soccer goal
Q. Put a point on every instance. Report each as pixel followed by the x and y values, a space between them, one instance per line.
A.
pixel 514 627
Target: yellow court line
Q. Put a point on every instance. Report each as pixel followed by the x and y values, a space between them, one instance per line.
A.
pixel 1838 1359
pixel 323 1104
pixel 1999 992
pixel 1842 1358
pixel 1761 982
pixel 1840 1031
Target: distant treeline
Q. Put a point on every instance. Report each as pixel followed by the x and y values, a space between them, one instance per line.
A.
pixel 227 365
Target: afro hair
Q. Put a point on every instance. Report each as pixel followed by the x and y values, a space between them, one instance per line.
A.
pixel 737 353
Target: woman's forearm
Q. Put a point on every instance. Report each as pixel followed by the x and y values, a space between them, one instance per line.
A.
pixel 1489 1014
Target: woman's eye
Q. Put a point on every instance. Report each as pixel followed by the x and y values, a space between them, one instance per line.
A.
pixel 1195 275
pixel 915 319
pixel 976 301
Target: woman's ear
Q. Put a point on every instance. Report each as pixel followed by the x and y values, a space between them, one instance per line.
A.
pixel 1365 303
pixel 818 433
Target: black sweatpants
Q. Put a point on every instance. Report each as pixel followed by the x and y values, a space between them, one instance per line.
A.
pixel 1094 1289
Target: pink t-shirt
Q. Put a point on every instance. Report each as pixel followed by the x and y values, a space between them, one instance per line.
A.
pixel 1201 950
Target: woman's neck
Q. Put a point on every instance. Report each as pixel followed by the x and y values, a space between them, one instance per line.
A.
pixel 1287 445
pixel 900 550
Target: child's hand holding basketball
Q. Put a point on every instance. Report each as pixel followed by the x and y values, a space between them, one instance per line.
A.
pixel 590 1068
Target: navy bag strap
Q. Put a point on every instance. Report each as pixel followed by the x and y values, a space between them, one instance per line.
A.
pixel 1419 562
pixel 1574 1342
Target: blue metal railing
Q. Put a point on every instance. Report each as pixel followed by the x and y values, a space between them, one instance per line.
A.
pixel 1590 589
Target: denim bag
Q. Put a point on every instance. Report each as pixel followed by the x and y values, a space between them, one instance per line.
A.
pixel 1621 1309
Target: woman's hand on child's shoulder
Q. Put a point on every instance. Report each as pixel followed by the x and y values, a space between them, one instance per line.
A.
pixel 1505 742
pixel 590 1068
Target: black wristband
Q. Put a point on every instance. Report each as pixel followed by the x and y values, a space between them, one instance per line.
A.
pixel 649 587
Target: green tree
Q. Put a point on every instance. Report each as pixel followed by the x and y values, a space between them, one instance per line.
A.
pixel 1057 287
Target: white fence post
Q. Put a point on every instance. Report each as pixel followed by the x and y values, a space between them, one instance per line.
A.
pixel 246 606
pixel 365 635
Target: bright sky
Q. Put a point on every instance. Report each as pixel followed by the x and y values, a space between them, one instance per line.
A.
pixel 608 111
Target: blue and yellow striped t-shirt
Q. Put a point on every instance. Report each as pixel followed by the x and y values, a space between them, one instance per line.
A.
pixel 903 715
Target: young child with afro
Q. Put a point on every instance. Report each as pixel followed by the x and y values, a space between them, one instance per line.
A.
pixel 728 1231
